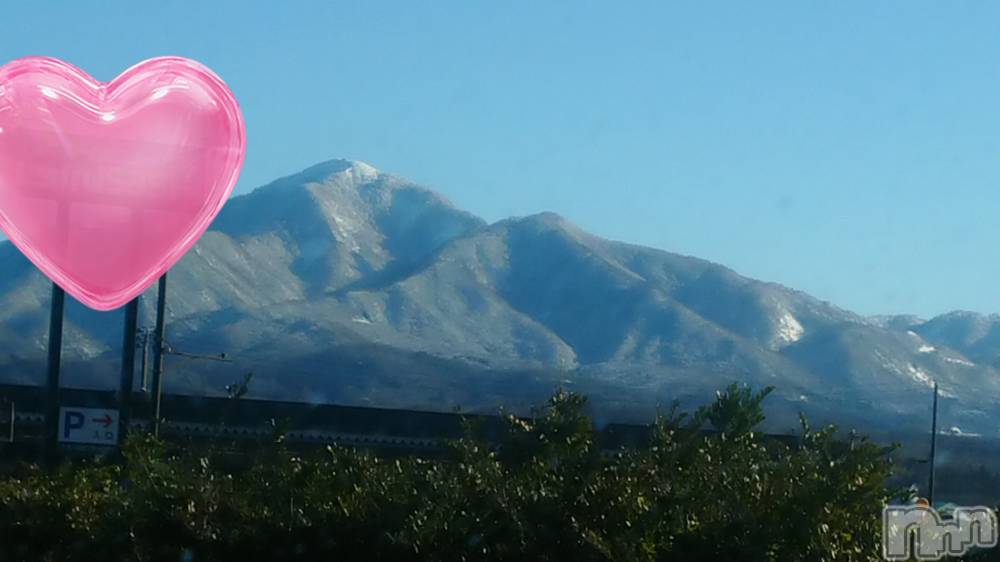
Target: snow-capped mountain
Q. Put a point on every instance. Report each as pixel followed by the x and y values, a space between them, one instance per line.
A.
pixel 346 284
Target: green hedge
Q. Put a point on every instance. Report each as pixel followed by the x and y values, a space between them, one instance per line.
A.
pixel 545 492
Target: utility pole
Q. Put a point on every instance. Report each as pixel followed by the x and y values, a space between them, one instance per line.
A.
pixel 161 348
pixel 930 483
pixel 158 346
pixel 51 441
pixel 127 381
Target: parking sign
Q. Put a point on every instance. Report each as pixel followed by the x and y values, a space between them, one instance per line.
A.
pixel 88 425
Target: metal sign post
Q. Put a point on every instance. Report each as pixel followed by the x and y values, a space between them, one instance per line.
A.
pixel 157 382
pixel 128 367
pixel 51 442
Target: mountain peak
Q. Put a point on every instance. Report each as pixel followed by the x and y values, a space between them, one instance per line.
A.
pixel 544 220
pixel 548 217
pixel 321 172
pixel 967 315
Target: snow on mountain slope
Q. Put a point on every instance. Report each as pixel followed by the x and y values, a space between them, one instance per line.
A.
pixel 344 261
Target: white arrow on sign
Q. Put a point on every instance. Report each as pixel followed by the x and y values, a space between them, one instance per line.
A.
pixel 88 425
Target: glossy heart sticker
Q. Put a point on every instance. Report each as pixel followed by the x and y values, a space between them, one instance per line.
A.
pixel 105 186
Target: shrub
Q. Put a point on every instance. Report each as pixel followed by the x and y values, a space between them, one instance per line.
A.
pixel 710 486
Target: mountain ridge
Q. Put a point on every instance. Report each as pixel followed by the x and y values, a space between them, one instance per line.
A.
pixel 342 260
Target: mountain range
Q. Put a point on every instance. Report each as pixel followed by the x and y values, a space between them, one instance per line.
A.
pixel 349 285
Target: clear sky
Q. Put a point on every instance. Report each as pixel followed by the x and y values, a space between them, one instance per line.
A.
pixel 847 149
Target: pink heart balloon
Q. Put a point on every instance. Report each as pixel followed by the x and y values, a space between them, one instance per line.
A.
pixel 105 186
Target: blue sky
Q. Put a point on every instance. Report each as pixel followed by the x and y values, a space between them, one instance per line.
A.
pixel 848 149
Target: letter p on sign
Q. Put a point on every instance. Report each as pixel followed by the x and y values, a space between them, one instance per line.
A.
pixel 72 420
